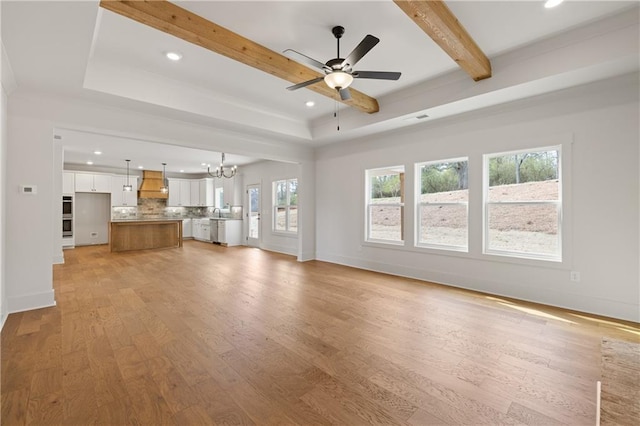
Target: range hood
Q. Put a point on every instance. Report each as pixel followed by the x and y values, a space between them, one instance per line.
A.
pixel 151 184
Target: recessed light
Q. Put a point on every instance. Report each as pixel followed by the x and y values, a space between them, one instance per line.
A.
pixel 97 152
pixel 552 3
pixel 181 171
pixel 203 164
pixel 90 163
pixel 310 104
pixel 174 56
pixel 141 167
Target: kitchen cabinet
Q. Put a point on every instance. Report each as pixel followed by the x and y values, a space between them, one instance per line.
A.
pixel 68 183
pixel 86 182
pixel 233 191
pixel 229 232
pixel 201 229
pixel 187 228
pixel 179 193
pixel 228 190
pixel 202 192
pixel 120 198
pixel 190 193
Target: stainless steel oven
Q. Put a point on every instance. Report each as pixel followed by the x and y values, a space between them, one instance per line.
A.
pixel 67 206
pixel 67 216
pixel 67 227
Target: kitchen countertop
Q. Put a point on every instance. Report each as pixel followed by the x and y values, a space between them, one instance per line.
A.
pixel 158 219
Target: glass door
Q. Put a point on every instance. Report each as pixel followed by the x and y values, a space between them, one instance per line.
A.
pixel 253 215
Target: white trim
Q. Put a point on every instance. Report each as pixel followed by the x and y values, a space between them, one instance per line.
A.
pixel 8 77
pixel 28 302
pixel 598 401
pixel 488 251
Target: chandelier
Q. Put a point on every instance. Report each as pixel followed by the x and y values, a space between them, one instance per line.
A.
pixel 221 171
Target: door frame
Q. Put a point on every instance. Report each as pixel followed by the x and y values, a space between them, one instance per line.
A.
pixel 253 242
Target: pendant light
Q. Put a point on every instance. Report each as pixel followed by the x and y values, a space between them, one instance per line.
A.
pixel 165 185
pixel 220 172
pixel 127 187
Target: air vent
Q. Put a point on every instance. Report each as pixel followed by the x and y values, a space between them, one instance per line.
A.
pixel 57 137
pixel 422 116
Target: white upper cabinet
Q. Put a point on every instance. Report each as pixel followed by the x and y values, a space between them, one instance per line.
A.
pixel 179 193
pixel 228 190
pixel 195 192
pixel 174 193
pixel 120 198
pixel 205 192
pixel 68 183
pixel 86 182
pixel 190 193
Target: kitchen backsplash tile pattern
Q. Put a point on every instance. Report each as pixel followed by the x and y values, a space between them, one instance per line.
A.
pixel 152 208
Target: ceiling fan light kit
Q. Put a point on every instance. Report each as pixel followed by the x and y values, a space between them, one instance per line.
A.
pixel 338 80
pixel 338 71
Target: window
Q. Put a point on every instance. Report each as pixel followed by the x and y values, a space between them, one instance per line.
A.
pixel 442 204
pixel 219 198
pixel 385 205
pixel 523 204
pixel 285 205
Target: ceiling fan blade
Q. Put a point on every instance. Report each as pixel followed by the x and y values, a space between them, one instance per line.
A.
pixel 305 59
pixel 345 94
pixel 305 83
pixel 380 75
pixel 365 46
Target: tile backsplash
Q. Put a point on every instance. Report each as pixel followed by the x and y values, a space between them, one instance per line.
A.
pixel 155 208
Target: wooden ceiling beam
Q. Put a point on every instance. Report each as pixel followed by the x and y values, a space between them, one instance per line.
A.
pixel 179 22
pixel 437 20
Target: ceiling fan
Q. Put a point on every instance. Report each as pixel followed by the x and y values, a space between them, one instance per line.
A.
pixel 339 73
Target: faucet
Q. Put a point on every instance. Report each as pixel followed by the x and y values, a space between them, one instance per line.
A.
pixel 214 211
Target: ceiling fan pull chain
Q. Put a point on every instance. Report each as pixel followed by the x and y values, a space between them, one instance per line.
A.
pixel 336 114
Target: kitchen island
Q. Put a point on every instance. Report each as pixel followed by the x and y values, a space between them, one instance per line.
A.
pixel 143 234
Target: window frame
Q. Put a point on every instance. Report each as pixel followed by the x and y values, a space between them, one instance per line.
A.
pixel 419 204
pixel 382 171
pixel 287 206
pixel 559 205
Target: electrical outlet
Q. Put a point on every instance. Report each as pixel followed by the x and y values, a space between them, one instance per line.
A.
pixel 575 276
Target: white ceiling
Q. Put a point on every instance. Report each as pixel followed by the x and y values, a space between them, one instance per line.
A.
pixel 79 50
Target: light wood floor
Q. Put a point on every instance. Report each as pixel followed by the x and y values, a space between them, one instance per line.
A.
pixel 211 335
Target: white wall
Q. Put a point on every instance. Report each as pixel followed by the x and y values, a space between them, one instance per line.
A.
pixel 265 173
pixel 29 231
pixel 600 205
pixel 3 166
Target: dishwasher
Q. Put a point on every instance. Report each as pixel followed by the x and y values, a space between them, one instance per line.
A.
pixel 214 231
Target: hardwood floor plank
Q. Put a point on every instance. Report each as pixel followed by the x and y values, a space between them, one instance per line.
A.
pixel 46 381
pixel 44 409
pixel 219 406
pixel 148 404
pixel 212 335
pixel 14 406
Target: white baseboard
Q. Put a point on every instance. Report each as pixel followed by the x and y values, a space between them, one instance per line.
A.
pixel 29 302
pixel 279 249
pixel 577 302
pixel 3 319
pixel 306 256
